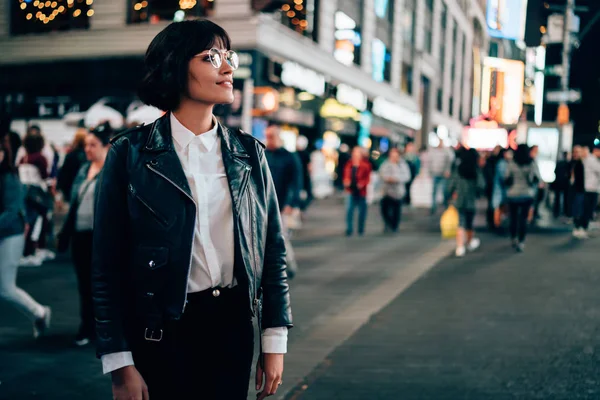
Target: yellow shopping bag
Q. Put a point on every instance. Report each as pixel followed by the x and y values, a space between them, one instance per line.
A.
pixel 449 223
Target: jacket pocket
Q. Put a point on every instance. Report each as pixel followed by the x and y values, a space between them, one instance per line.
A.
pixel 147 206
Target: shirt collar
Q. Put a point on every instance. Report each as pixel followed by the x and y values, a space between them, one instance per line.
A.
pixel 183 136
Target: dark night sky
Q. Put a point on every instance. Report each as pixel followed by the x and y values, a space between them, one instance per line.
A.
pixel 585 75
pixel 585 65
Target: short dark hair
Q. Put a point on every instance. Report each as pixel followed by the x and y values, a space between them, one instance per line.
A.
pixel 165 76
pixel 33 143
pixel 104 132
pixel 522 155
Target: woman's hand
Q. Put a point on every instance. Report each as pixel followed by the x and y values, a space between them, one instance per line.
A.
pixel 270 375
pixel 128 384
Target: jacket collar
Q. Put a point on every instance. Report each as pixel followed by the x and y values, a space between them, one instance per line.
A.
pixel 160 138
pixel 165 161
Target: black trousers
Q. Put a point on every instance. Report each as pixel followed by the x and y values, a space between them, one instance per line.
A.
pixel 391 211
pixel 561 197
pixel 408 187
pixel 590 202
pixel 206 355
pixel 519 211
pixel 81 252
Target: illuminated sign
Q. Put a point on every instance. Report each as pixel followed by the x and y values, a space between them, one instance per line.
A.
pixel 354 97
pixel 547 141
pixel 333 109
pixel 303 78
pixel 484 139
pixel 398 114
pixel 506 18
pixel 502 89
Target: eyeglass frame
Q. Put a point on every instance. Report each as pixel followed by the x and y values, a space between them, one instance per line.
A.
pixel 223 54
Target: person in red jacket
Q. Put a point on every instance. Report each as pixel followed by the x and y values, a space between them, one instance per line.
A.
pixel 357 175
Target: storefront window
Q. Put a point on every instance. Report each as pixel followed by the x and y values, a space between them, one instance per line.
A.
pixel 347 39
pixel 408 21
pixel 299 15
pixel 429 26
pixel 153 11
pixel 407 78
pixel 29 16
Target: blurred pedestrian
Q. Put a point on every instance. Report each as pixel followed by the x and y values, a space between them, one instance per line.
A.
pixel 522 179
pixel 465 186
pixel 286 171
pixel 577 182
pixel 12 241
pixel 440 167
pixel 33 172
pixel 305 161
pixel 395 174
pixel 591 179
pixel 357 176
pixel 74 159
pixel 499 198
pixel 79 226
pixel 560 186
pixel 534 213
pixel 188 244
pixel 414 163
pixel 489 172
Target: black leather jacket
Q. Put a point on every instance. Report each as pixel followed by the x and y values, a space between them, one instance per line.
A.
pixel 144 227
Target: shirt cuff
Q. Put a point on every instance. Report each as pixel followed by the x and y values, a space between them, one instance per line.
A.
pixel 274 340
pixel 114 361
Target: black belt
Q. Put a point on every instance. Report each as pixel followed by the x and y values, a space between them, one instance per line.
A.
pixel 214 293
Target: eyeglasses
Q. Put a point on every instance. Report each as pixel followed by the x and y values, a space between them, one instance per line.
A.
pixel 216 58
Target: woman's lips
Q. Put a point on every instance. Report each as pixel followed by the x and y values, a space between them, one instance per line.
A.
pixel 226 84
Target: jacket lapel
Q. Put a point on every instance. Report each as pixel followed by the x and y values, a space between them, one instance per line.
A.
pixel 236 163
pixel 163 159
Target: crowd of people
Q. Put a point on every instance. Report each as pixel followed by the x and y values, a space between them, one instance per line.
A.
pixel 36 180
pixel 508 179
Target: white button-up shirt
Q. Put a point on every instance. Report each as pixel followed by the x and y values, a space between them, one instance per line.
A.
pixel 213 245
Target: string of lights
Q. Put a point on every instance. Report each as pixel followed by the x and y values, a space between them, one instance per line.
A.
pixel 40 15
pixel 296 14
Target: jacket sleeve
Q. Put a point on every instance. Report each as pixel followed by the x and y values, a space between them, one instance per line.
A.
pixel 276 298
pixel 110 254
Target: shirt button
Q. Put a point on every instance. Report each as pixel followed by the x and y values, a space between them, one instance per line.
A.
pixel 216 293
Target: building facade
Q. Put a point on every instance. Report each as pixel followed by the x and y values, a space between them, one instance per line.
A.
pixel 377 68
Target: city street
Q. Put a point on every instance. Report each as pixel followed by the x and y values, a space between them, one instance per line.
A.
pixel 494 325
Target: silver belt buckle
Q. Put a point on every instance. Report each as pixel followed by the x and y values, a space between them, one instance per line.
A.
pixel 150 337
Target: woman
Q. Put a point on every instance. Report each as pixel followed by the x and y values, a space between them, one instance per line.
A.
pixel 499 192
pixel 357 175
pixel 79 226
pixel 395 174
pixel 74 159
pixel 522 178
pixel 466 183
pixel 12 241
pixel 188 244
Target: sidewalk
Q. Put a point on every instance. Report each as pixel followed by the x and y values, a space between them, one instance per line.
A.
pixel 341 282
pixel 495 325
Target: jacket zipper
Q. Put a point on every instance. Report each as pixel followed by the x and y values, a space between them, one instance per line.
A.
pixel 251 213
pixel 194 225
pixel 152 211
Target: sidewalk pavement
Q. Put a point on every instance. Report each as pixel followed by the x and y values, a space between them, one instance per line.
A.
pixel 494 325
pixel 341 282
